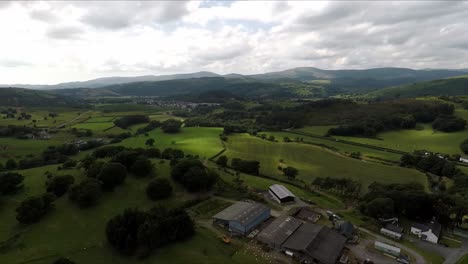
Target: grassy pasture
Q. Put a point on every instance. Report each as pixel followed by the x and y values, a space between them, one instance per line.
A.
pixel 94 126
pixel 342 148
pixel 79 233
pixel 202 141
pixel 463 260
pixel 416 139
pixel 312 161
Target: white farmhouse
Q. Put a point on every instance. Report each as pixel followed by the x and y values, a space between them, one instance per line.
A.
pixel 429 232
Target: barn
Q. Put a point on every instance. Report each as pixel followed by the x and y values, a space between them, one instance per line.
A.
pixel 281 194
pixel 242 217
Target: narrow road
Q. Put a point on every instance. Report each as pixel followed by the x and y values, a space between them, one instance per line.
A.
pixel 74 119
pixel 418 258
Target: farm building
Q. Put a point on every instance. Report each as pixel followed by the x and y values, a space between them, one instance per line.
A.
pixel 388 249
pixel 312 243
pixel 346 229
pixel 392 231
pixel 278 231
pixel 281 194
pixel 429 232
pixel 242 217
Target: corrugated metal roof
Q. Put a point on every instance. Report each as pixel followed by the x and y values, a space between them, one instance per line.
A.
pixel 242 212
pixel 279 230
pixel 280 191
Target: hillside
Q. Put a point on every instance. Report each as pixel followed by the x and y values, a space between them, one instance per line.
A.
pixel 27 97
pixel 341 81
pixel 450 86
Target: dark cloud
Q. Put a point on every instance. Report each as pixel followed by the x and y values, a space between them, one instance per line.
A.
pixel 117 15
pixel 64 32
pixel 43 15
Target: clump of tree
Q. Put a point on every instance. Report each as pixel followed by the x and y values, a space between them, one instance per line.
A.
pixel 136 232
pixel 10 182
pixel 429 162
pixel 171 154
pixel 33 208
pixel 151 126
pixel 222 161
pixel 86 193
pixel 246 166
pixel 343 186
pixel 112 174
pixel 142 167
pixel 159 189
pixel 171 126
pixel 150 142
pixel 464 146
pixel 11 164
pixel 59 185
pixel 290 172
pixel 449 123
pixel 193 175
pixel 130 120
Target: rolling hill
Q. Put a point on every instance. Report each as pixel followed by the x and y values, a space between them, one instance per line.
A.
pixel 341 81
pixel 28 97
pixel 450 86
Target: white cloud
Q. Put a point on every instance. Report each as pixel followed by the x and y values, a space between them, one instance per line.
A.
pixel 50 42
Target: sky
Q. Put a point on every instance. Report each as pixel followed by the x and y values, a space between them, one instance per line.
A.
pixel 51 42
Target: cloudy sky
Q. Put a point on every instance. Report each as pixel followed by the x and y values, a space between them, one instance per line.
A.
pixel 51 42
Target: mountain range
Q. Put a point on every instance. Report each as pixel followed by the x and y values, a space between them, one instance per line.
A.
pixel 381 77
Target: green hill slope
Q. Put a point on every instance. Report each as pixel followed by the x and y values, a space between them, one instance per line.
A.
pixel 27 97
pixel 451 86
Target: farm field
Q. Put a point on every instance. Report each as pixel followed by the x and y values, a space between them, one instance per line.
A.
pixel 463 260
pixel 417 139
pixel 202 141
pixel 17 148
pixel 88 244
pixel 312 162
pixel 345 149
pixel 94 126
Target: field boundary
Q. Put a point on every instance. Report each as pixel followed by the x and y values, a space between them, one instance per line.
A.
pixel 400 152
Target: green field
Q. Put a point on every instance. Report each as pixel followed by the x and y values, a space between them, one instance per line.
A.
pixel 79 233
pixel 463 260
pixel 101 126
pixel 416 139
pixel 314 162
pixel 202 141
pixel 345 149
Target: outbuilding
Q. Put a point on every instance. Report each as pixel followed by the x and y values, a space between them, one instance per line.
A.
pixel 281 194
pixel 278 231
pixel 242 217
pixel 429 232
pixel 392 231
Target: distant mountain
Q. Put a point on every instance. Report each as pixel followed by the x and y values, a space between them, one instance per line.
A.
pixel 101 82
pixel 310 73
pixel 27 97
pixel 450 86
pixel 367 79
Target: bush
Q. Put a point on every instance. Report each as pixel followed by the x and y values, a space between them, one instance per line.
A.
pixel 11 164
pixel 290 172
pixel 112 174
pixel 159 189
pixel 34 208
pixel 193 175
pixel 10 182
pixel 171 126
pixel 126 158
pixel 222 161
pixel 59 185
pixel 153 153
pixel 246 166
pixel 464 146
pixel 94 169
pixel 171 154
pixel 69 164
pixel 142 167
pixel 87 193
